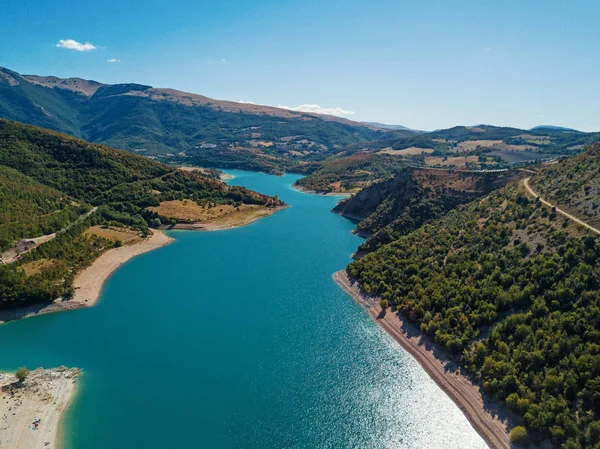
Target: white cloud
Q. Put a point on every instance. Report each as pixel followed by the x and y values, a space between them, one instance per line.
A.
pixel 74 45
pixel 113 60
pixel 311 108
pixel 223 60
pixel 316 109
pixel 540 115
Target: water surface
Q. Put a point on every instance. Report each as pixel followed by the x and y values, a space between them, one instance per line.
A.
pixel 240 339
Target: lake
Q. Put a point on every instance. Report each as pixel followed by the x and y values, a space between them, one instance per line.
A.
pixel 240 339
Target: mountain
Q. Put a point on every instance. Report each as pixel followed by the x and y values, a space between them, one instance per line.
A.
pixel 511 287
pixel 176 126
pixel 554 128
pixel 189 129
pixel 61 189
pixel 393 127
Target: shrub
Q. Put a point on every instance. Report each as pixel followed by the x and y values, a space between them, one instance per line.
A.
pixel 21 374
pixel 519 436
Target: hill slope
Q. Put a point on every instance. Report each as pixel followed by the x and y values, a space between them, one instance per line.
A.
pixel 351 173
pixel 174 125
pixel 574 184
pixel 395 207
pixel 513 288
pixel 190 129
pixel 49 183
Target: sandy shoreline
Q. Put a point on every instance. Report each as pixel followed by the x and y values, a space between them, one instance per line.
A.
pixel 484 415
pixel 45 395
pixel 88 284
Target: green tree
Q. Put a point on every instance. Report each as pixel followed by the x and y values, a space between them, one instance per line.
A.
pixel 21 374
pixel 519 436
pixel 592 434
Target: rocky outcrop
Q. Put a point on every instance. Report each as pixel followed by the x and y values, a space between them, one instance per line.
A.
pixel 389 209
pixel 393 194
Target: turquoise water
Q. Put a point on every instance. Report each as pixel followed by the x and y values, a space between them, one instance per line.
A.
pixel 240 339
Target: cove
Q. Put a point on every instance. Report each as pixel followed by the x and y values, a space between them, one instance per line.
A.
pixel 240 339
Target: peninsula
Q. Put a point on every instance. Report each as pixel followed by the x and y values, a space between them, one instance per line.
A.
pixel 32 409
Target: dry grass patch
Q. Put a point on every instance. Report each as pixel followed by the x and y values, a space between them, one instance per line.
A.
pixel 125 235
pixel 410 151
pixel 260 143
pixel 200 170
pixel 457 161
pixel 38 266
pixel 471 145
pixel 191 212
pixel 434 179
pixel 247 214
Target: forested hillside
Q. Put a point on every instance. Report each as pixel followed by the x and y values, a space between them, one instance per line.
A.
pixel 350 174
pixel 49 183
pixel 513 288
pixel 395 207
pixel 30 209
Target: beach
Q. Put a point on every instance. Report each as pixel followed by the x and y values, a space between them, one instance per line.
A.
pixel 88 283
pixel 42 398
pixel 484 414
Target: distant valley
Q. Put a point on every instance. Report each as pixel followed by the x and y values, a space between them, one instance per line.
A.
pixel 188 129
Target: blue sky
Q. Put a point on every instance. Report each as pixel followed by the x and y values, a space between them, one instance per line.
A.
pixel 425 65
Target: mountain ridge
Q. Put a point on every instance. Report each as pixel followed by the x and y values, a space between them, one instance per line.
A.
pixel 90 87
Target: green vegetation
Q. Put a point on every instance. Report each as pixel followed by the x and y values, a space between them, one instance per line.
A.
pixel 421 141
pixel 352 173
pixel 48 181
pixel 519 436
pixel 393 208
pixel 463 133
pixel 513 289
pixel 180 128
pixel 30 208
pixel 21 374
pixel 574 184
pixel 246 159
pixel 164 124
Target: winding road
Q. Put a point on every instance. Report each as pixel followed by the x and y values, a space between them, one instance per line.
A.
pixel 13 254
pixel 560 211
